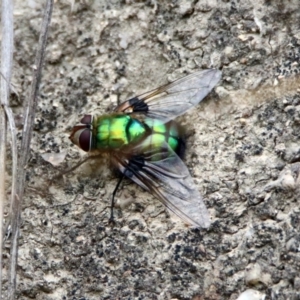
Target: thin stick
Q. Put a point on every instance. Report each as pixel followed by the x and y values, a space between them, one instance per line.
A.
pixel 29 114
pixel 2 183
pixel 6 70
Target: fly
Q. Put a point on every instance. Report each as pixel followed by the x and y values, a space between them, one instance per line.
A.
pixel 146 145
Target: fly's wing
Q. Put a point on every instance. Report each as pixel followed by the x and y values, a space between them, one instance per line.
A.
pixel 169 180
pixel 173 99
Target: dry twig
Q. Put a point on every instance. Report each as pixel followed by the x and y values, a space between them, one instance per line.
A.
pixel 5 111
pixel 29 114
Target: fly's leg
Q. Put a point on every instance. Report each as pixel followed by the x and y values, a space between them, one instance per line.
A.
pixel 111 220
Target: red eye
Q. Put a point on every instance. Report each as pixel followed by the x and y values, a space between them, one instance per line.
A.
pixel 82 137
pixel 87 119
pixel 85 138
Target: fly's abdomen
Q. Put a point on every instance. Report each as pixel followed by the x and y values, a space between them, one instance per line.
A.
pixel 165 136
pixel 112 132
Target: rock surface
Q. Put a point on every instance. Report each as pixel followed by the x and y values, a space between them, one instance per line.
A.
pixel 243 151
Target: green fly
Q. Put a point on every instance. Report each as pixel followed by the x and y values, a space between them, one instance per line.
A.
pixel 146 145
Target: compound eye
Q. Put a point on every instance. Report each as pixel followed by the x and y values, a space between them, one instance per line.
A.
pixel 85 138
pixel 87 119
pixel 82 137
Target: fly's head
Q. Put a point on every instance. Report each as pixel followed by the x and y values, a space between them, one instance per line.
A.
pixel 82 133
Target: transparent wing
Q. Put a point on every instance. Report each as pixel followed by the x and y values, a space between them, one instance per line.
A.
pixel 170 181
pixel 175 98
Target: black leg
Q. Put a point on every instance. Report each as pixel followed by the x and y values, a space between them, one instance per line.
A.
pixel 111 220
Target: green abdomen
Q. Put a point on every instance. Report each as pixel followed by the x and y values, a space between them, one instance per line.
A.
pixel 163 137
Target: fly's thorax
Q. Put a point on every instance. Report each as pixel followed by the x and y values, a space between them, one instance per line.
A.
pixel 165 139
pixel 114 131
